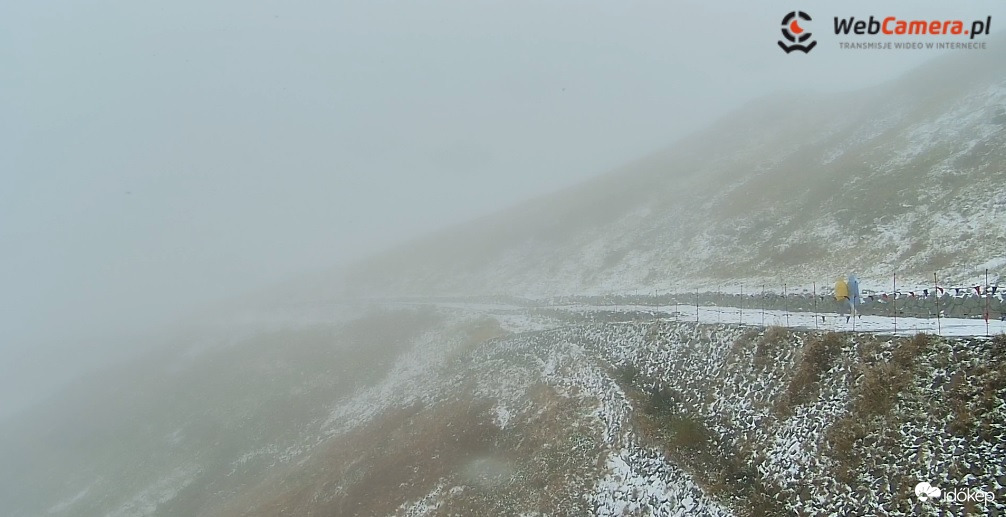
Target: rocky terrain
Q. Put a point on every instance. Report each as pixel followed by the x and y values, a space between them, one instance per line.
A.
pixel 497 410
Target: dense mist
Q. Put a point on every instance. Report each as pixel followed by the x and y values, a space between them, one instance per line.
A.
pixel 159 159
pixel 221 223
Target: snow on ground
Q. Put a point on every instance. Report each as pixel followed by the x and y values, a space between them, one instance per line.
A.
pixel 575 356
pixel 402 386
pixel 641 482
pixel 427 505
pixel 636 478
pixel 695 360
pixel 967 121
pixel 518 319
pixel 66 504
pixel 947 327
pixel 146 501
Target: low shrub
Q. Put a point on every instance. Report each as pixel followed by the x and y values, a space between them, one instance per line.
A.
pixel 770 343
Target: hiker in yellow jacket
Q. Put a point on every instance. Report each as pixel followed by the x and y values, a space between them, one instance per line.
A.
pixel 842 297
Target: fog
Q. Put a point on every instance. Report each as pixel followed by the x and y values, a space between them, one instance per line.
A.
pixel 159 158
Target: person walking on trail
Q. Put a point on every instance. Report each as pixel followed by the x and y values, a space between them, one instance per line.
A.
pixel 848 297
pixel 854 297
pixel 842 297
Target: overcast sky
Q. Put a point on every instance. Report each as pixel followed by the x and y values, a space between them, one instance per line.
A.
pixel 157 156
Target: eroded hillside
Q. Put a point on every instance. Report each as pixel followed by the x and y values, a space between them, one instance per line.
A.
pixel 493 410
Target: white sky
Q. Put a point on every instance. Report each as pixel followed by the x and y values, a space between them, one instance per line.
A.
pixel 157 156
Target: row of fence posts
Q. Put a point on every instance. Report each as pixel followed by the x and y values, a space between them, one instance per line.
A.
pixel 785 295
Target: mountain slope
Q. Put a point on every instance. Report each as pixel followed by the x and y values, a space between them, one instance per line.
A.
pixel 520 411
pixel 907 177
pixel 479 409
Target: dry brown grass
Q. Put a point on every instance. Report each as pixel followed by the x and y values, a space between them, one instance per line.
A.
pixel 817 357
pixel 769 345
pixel 663 419
pixel 877 391
pixel 554 459
pixel 842 438
pixel 873 399
pixel 907 352
pixel 683 435
pixel 540 462
pixel 868 349
pixel 743 342
pixel 397 457
pixel 484 330
pixel 474 334
pixel 972 395
pixel 962 421
pixel 975 393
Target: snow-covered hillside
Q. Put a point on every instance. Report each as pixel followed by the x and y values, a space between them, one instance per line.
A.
pixel 364 392
pixel 491 410
pixel 908 178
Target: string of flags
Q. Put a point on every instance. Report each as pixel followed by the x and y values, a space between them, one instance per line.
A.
pixel 848 290
pixel 958 292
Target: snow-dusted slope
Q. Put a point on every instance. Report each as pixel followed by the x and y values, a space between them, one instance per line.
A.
pixel 496 410
pixel 371 409
pixel 909 178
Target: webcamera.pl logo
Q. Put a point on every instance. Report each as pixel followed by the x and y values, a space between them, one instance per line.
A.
pixel 796 35
pixel 888 33
pixel 927 492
